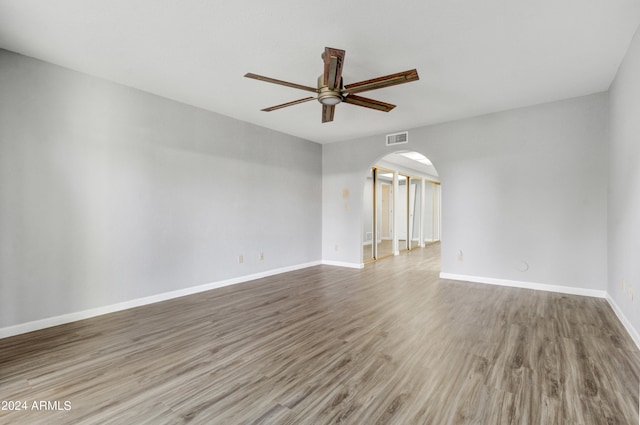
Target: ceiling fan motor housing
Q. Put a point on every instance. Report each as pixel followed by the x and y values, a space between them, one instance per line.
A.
pixel 327 96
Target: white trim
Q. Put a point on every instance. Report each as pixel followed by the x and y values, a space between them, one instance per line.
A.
pixel 99 311
pixel 625 322
pixel 528 285
pixel 343 264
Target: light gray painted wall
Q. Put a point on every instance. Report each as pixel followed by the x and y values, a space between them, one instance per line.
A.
pixel 523 184
pixel 624 185
pixel 109 194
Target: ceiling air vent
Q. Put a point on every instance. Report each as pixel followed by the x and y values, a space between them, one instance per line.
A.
pixel 398 138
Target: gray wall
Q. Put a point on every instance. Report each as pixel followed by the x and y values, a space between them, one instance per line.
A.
pixel 624 185
pixel 521 185
pixel 108 194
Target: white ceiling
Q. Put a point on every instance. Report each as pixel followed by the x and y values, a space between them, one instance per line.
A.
pixel 473 57
pixel 402 160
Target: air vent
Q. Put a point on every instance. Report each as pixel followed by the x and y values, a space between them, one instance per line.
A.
pixel 398 138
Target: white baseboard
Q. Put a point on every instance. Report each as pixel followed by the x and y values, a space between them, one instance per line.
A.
pixel 85 314
pixel 625 322
pixel 343 264
pixel 527 285
pixel 633 333
pixel 99 311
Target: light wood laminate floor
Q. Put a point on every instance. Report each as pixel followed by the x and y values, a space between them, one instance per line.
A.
pixel 390 344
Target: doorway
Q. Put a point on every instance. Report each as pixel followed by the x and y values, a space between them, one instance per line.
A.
pixel 401 206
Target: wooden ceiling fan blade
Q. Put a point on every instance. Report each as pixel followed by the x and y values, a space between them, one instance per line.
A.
pixel 380 82
pixel 280 82
pixel 327 113
pixel 333 61
pixel 368 103
pixel 284 105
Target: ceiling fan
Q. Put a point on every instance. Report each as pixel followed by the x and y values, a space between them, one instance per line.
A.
pixel 330 90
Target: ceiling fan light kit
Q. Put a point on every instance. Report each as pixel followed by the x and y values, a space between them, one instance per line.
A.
pixel 331 92
pixel 328 96
pixel 329 99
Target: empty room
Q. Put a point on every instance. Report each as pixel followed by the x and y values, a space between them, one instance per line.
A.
pixel 319 213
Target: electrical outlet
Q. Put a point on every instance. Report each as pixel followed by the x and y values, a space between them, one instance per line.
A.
pixel 240 259
pixel 261 256
pixel 460 256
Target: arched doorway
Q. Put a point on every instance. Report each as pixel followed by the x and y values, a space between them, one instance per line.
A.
pixel 401 205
